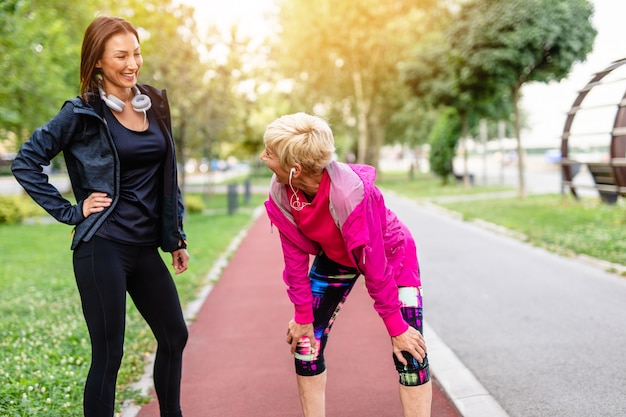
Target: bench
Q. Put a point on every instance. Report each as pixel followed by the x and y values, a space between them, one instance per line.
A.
pixel 459 178
pixel 606 185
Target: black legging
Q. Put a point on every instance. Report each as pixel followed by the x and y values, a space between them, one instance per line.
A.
pixel 105 271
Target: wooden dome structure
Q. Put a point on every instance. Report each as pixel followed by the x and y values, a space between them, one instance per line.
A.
pixel 594 135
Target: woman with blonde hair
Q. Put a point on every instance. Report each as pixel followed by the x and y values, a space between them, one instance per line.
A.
pixel 334 212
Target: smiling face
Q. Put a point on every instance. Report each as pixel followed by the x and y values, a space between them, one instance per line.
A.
pixel 270 158
pixel 120 64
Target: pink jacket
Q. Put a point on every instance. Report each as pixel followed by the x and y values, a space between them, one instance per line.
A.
pixel 382 246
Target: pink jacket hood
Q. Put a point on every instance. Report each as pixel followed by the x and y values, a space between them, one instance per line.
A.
pixel 372 234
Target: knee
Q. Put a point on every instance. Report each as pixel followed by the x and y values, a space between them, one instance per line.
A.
pixel 415 376
pixel 414 373
pixel 183 338
pixel 414 379
pixel 310 365
pixel 176 341
pixel 107 355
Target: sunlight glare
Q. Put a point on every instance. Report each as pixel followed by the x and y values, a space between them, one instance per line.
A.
pixel 250 15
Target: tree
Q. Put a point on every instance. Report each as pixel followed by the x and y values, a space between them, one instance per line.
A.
pixel 443 142
pixel 238 87
pixel 170 45
pixel 39 61
pixel 439 75
pixel 512 42
pixel 211 78
pixel 343 55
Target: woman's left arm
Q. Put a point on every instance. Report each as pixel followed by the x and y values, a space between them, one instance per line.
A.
pixel 410 341
pixel 180 258
pixel 378 273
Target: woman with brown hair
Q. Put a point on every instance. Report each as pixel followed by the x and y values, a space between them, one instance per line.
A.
pixel 116 139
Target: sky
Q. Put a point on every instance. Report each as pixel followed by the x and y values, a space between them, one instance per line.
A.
pixel 545 105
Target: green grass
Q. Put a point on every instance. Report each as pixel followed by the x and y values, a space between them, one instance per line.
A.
pixel 428 186
pixel 44 345
pixel 556 222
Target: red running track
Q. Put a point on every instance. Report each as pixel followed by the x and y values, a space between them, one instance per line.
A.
pixel 237 362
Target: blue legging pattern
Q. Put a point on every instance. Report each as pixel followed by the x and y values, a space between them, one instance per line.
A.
pixel 331 284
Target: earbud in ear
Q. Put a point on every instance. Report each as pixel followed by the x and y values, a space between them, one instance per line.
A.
pixel 293 171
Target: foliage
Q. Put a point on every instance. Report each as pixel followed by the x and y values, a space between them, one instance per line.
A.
pixel 44 344
pixel 553 221
pixel 38 43
pixel 211 114
pixel 490 48
pixel 193 204
pixel 506 43
pixel 10 210
pixel 516 41
pixel 345 65
pixel 444 138
pixel 13 209
pixel 412 123
pixel 438 74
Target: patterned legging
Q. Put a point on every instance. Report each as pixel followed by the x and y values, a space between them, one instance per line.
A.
pixel 331 284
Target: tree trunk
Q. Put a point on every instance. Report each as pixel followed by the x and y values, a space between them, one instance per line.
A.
pixel 375 141
pixel 464 130
pixel 483 141
pixel 521 190
pixel 501 134
pixel 361 116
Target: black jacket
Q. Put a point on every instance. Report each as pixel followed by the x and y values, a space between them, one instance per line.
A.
pixel 81 133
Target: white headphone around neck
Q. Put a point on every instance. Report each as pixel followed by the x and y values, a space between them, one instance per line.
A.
pixel 141 102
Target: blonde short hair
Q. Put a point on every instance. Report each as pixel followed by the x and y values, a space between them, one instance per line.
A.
pixel 301 138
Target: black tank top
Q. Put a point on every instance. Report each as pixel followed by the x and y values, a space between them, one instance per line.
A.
pixel 135 217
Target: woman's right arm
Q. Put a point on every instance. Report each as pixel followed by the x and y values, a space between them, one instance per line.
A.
pixel 45 143
pixel 296 276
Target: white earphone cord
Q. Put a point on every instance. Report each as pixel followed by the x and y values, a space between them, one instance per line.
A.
pixel 294 201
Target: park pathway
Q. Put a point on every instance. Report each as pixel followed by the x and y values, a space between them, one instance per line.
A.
pixel 238 364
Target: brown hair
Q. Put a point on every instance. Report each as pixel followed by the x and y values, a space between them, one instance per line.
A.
pixel 94 41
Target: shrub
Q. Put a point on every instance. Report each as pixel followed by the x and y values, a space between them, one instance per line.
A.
pixel 194 204
pixel 14 209
pixel 11 210
pixel 443 141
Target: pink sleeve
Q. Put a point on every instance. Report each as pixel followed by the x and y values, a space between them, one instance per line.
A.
pixel 378 273
pixel 296 276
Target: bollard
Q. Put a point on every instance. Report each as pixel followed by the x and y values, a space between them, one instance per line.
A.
pixel 232 198
pixel 246 192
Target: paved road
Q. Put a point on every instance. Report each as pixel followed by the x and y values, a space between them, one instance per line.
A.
pixel 544 335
